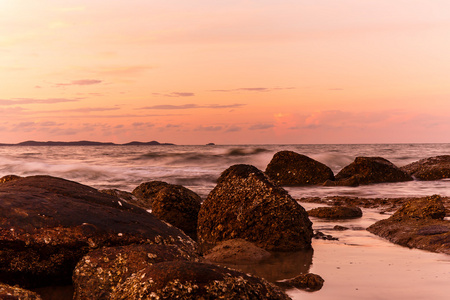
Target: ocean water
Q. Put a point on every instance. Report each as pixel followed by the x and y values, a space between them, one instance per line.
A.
pixel 198 167
pixel 359 265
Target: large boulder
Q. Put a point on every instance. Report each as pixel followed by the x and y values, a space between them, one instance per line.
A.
pixel 336 212
pixel 193 280
pixel 432 168
pixel 178 206
pixel 147 191
pixel 101 271
pixel 246 204
pixel 419 223
pixel 372 170
pixel 48 224
pixel 289 169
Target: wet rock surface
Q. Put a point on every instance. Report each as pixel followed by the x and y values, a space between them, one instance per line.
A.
pixel 309 281
pixel 290 168
pixel 100 271
pixel 367 170
pixel 178 206
pixel 432 168
pixel 9 178
pixel 417 224
pixel 236 251
pixel 245 204
pixel 192 280
pixel 336 212
pixel 48 224
pixel 8 292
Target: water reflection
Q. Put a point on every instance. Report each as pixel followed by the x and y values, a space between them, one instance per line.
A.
pixel 280 265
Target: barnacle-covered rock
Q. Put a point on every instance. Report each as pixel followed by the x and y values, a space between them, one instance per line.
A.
pixel 8 292
pixel 289 168
pixel 193 280
pixel 48 224
pixel 417 224
pixel 432 168
pixel 366 170
pixel 246 204
pixel 100 271
pixel 172 203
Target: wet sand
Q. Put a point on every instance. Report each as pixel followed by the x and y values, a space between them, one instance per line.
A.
pixel 361 265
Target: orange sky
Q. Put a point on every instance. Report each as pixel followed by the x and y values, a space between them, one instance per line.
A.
pixel 229 72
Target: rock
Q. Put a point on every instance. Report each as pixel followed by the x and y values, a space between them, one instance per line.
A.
pixel 100 271
pixel 8 292
pixel 417 224
pixel 122 195
pixel 147 191
pixel 309 281
pixel 432 168
pixel 319 235
pixel 48 224
pixel 336 212
pixel 236 251
pixel 372 170
pixel 178 206
pixel 424 208
pixel 9 178
pixel 193 280
pixel 289 169
pixel 245 204
pixel 340 228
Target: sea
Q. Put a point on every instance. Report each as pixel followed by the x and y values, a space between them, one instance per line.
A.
pixel 359 265
pixel 198 167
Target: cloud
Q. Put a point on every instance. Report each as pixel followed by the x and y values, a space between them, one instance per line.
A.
pixel 208 128
pixel 253 89
pixel 175 94
pixel 233 128
pixel 81 82
pixel 16 101
pixel 193 106
pixel 261 126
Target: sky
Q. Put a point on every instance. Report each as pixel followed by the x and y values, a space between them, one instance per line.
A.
pixel 225 71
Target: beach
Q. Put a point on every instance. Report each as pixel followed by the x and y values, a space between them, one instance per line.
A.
pixel 357 265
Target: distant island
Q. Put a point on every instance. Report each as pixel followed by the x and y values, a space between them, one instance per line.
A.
pixel 85 143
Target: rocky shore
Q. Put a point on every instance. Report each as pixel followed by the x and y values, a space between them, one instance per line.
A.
pixel 161 241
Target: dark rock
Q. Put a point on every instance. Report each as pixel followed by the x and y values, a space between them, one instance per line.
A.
pixel 48 224
pixel 236 251
pixel 417 224
pixel 100 271
pixel 340 228
pixel 122 195
pixel 432 168
pixel 8 292
pixel 9 178
pixel 336 212
pixel 373 170
pixel 245 204
pixel 178 206
pixel 322 236
pixel 309 281
pixel 147 191
pixel 192 280
pixel 289 168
